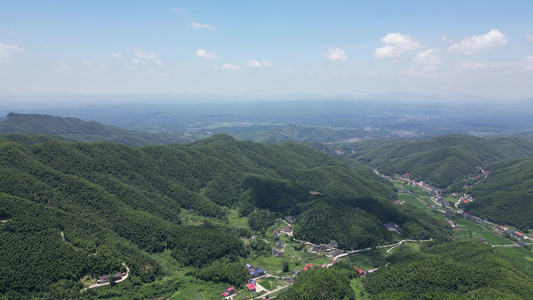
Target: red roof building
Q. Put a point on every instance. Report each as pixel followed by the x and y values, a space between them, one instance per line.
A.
pixel 250 287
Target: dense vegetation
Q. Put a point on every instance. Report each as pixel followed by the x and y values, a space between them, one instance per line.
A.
pixel 79 130
pixel 70 209
pixel 442 160
pixel 358 223
pixel 98 205
pixel 331 283
pixel 506 196
pixel 466 269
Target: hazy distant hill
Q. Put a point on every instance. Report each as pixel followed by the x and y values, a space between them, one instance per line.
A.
pixel 275 134
pixel 506 196
pixel 69 208
pixel 442 160
pixel 80 130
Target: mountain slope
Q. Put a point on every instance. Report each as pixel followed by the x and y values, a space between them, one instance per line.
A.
pixel 445 159
pixel 506 196
pixel 79 130
pixel 103 204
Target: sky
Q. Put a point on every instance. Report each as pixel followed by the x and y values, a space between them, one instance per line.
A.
pixel 273 47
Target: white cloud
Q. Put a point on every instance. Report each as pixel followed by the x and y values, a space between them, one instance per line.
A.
pixel 201 26
pixel 142 54
pixel 201 53
pixel 400 41
pixel 428 57
pixel 116 55
pixel 229 67
pixel 6 50
pixel 266 63
pixel 396 45
pixel 529 37
pixel 490 40
pixel 529 59
pixel 387 52
pixel 86 63
pixel 335 54
pixel 251 64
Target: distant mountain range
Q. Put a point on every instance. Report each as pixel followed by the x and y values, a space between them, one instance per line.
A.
pixel 79 130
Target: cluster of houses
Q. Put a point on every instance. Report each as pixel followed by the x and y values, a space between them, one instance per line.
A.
pixel 517 235
pixel 286 230
pixel 255 271
pixel 473 218
pixel 441 201
pixel 278 251
pixel 466 199
pixel 107 278
pixel 323 247
pixel 336 253
pixel 404 191
pixel 307 267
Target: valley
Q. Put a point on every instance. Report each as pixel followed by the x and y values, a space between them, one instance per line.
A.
pixel 184 220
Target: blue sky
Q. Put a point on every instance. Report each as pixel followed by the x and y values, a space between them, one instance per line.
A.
pixel 266 47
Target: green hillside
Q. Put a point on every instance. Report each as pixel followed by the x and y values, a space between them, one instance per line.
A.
pixel 443 160
pixel 79 130
pixel 506 196
pixel 69 209
pixel 466 269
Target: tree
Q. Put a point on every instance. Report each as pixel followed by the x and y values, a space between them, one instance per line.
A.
pixel 285 266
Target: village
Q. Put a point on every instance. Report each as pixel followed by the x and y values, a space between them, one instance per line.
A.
pixel 266 278
pixel 449 210
pixel 317 256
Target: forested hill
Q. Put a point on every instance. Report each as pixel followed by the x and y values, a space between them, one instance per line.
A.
pixel 465 269
pixel 69 208
pixel 443 160
pixel 80 130
pixel 506 196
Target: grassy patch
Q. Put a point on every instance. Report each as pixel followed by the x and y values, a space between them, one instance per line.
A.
pixel 235 220
pixel 519 255
pixel 357 285
pixel 368 259
pixel 269 283
pixel 191 288
pixel 412 200
pixel 168 263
